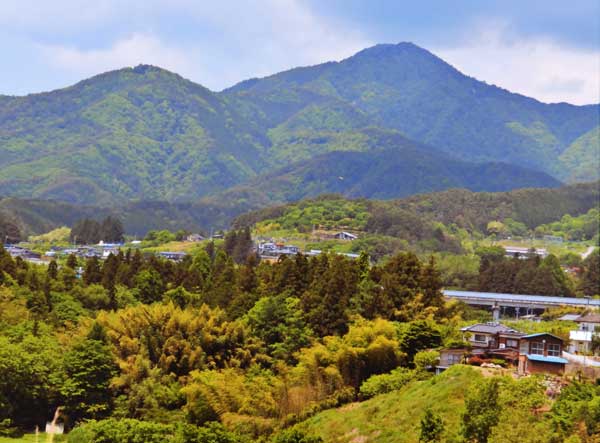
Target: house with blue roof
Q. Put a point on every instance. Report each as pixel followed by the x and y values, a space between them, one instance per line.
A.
pixel 541 353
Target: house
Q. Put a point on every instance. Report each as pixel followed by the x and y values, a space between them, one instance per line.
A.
pixel 345 236
pixel 449 357
pixel 589 322
pixel 518 252
pixel 270 249
pixel 581 339
pixel 486 335
pixel 541 353
pixel 194 238
pixel 173 256
pixel 580 342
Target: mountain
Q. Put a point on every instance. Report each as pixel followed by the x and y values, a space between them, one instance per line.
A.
pixel 406 88
pixel 140 133
pixel 389 166
pixel 147 134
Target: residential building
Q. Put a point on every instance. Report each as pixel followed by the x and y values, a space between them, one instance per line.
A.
pixel 486 335
pixel 541 353
pixel 518 252
pixel 581 339
pixel 194 238
pixel 173 256
pixel 345 236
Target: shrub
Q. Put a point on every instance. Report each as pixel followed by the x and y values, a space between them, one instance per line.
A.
pixel 380 384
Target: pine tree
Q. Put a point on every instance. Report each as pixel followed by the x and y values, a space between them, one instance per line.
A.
pixel 52 271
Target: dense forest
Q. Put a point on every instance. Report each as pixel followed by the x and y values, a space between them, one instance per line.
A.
pixel 209 350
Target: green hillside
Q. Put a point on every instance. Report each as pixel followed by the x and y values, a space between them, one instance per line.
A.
pixel 395 417
pixel 389 166
pixel 412 218
pixel 148 134
pixel 582 157
pixel 463 208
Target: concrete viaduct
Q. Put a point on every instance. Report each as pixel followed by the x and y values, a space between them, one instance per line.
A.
pixel 519 301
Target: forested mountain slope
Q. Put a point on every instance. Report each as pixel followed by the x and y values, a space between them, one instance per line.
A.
pixel 148 134
pixel 407 88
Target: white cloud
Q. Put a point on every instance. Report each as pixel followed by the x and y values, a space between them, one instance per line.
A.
pixel 231 41
pixel 538 67
pixel 133 50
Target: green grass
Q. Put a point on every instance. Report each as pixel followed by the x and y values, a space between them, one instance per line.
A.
pixel 395 417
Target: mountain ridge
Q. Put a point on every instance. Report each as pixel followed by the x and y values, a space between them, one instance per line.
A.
pixel 147 133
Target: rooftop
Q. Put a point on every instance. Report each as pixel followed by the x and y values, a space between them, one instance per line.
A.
pixel 540 334
pixel 547 359
pixel 489 328
pixel 590 318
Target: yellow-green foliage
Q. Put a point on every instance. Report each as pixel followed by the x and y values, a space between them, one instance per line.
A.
pixel 58 235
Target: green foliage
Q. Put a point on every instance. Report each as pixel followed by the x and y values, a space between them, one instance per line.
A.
pixel 279 322
pixel 482 411
pixel 432 427
pixel 383 383
pixel 135 431
pixel 582 227
pixel 89 369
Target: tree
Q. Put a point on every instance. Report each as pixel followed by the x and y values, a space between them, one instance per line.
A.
pixel 419 335
pixel 432 427
pixel 149 286
pixel 590 280
pixel 279 322
pixel 111 230
pixel 52 271
pixel 92 273
pixel 89 368
pixel 482 411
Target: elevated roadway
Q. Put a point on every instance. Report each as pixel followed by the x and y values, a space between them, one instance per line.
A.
pixel 519 300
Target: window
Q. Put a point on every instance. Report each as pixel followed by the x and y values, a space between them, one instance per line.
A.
pixel 537 348
pixel 512 343
pixel 554 350
pixel 454 359
pixel 480 337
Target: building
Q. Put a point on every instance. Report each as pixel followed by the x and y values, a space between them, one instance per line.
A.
pixel 345 236
pixel 173 256
pixel 580 342
pixel 581 339
pixel 589 322
pixel 449 357
pixel 271 249
pixel 518 252
pixel 490 335
pixel 541 353
pixel 194 238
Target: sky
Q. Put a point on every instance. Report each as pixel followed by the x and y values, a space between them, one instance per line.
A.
pixel 549 50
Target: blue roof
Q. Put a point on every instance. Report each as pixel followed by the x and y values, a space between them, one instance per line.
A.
pixel 549 359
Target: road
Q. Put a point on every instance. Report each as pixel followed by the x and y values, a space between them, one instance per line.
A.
pixel 581 359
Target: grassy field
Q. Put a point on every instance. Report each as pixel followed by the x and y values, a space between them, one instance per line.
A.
pixel 395 417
